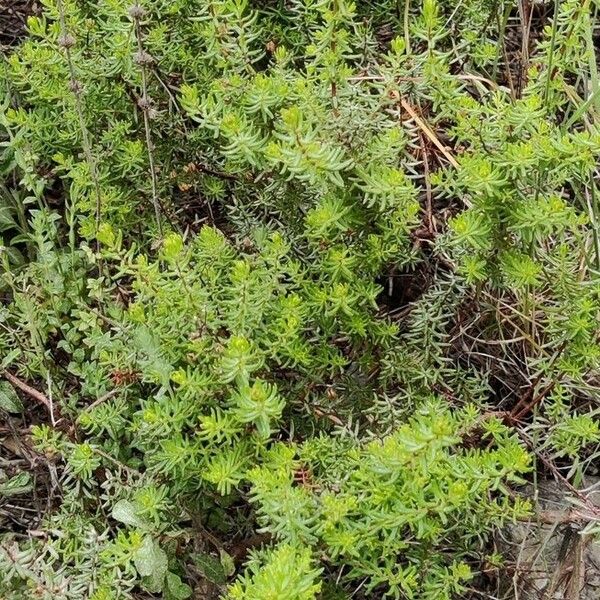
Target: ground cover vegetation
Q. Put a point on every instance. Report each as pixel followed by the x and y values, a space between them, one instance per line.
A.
pixel 296 294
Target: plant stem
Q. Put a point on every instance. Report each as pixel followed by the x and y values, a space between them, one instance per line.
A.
pixel 144 104
pixel 551 51
pixel 67 41
pixel 406 22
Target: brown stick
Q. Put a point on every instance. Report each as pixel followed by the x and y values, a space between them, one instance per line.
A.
pixel 429 133
pixel 33 393
pixel 560 517
pixel 429 203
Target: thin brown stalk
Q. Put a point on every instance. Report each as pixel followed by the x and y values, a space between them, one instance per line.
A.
pixel 429 133
pixel 67 41
pixel 144 59
pixel 30 391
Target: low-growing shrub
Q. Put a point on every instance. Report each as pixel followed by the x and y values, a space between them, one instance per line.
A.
pixel 294 294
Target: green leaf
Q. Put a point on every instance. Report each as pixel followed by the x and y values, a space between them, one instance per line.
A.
pixel 6 218
pixel 176 589
pixel 211 568
pixel 9 358
pixel 9 401
pixel 227 563
pixel 19 484
pixel 149 558
pixel 151 562
pixel 125 512
pixel 14 256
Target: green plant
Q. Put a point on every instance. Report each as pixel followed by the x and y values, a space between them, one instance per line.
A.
pixel 294 294
pixel 385 511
